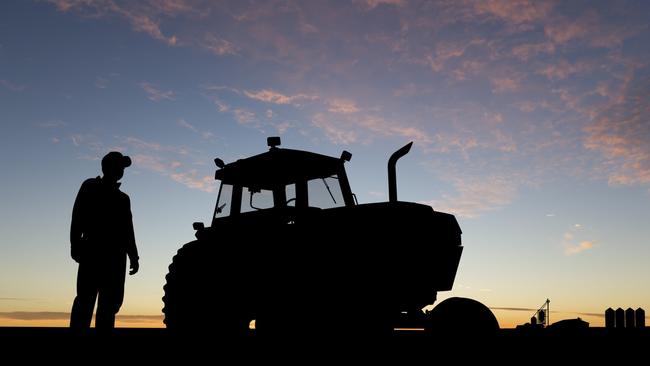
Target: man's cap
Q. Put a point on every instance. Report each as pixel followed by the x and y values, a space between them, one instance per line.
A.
pixel 116 158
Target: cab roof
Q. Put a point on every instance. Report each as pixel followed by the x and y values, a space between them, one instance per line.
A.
pixel 278 167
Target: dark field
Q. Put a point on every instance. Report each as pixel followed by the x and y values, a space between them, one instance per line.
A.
pixel 129 345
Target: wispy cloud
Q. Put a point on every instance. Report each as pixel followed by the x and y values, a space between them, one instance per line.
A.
pixel 333 130
pixel 342 106
pixel 204 134
pixel 563 69
pixel 156 94
pixel 620 133
pixel 35 315
pixel 270 96
pixel 573 243
pixel 11 86
pixel 578 248
pixel 476 196
pixel 504 84
pixel 101 83
pixel 244 116
pixel 52 124
pixel 218 46
pixel 371 4
pixel 142 18
pixel 54 315
pixel 514 11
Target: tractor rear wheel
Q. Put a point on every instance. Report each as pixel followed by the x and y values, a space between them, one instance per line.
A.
pixel 201 297
pixel 461 317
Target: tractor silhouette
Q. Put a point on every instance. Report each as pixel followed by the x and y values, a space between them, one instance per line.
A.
pixel 291 248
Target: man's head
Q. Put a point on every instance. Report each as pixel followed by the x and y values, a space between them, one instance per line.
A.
pixel 113 165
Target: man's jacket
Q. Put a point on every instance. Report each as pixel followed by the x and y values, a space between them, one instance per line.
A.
pixel 102 227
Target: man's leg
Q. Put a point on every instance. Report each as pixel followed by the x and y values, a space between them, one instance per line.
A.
pixel 111 295
pixel 82 307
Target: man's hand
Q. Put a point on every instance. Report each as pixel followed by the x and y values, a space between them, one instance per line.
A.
pixel 135 266
pixel 75 250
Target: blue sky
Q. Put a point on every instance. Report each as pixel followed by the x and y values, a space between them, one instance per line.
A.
pixel 530 121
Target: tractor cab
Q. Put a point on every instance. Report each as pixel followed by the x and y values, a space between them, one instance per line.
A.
pixel 282 179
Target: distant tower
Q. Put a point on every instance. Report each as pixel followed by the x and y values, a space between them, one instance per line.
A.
pixel 629 318
pixel 640 318
pixel 610 320
pixel 620 318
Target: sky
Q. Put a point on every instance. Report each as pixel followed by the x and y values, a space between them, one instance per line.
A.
pixel 530 122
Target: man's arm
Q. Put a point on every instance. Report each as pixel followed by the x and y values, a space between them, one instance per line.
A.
pixel 77 223
pixel 131 248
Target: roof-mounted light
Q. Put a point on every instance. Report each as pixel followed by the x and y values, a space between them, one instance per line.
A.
pixel 273 141
pixel 346 155
pixel 219 163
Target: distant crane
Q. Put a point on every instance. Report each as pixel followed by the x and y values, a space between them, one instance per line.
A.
pixel 542 315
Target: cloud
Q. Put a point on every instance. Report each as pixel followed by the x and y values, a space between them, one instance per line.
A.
pixel 204 134
pixel 218 46
pixel 504 84
pixel 52 124
pixel 620 132
pixel 270 96
pixel 371 4
pixel 571 246
pixel 514 11
pixel 181 122
pixel 282 127
pixel 563 69
pixel 11 86
pixel 101 83
pixel 194 180
pixel 334 132
pixel 35 315
pixel 339 105
pixel 54 315
pixel 512 309
pixel 476 196
pixel 156 94
pixel 527 51
pixel 244 116
pixel 581 247
pixel 140 16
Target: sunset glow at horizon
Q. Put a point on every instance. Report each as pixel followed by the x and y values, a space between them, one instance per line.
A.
pixel 530 122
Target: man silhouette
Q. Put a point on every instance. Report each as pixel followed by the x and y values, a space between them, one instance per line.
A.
pixel 101 237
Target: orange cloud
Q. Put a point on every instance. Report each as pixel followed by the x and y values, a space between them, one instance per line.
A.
pixel 156 94
pixel 339 105
pixel 525 52
pixel 371 4
pixel 218 46
pixel 620 133
pixel 475 196
pixel 270 96
pixel 11 86
pixel 334 132
pixel 581 247
pixel 504 84
pixel 563 69
pixel 140 17
pixel 515 11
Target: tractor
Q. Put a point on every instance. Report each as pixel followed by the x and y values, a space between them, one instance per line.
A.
pixel 290 251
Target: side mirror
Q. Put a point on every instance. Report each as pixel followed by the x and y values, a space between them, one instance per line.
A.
pixel 198 226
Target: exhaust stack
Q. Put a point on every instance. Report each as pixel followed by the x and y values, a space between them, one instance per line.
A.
pixel 392 178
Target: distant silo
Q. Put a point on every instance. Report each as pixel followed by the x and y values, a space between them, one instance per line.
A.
pixel 629 318
pixel 541 316
pixel 533 321
pixel 620 318
pixel 640 318
pixel 610 321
